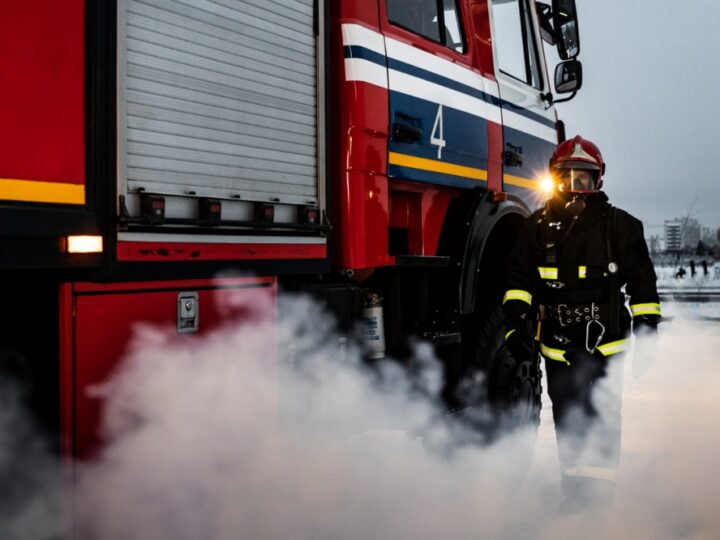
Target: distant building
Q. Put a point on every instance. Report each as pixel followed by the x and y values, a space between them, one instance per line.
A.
pixel 673 234
pixel 655 244
pixel 710 236
pixel 691 233
pixel 681 233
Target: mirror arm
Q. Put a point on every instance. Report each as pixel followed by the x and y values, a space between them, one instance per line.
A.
pixel 548 99
pixel 563 100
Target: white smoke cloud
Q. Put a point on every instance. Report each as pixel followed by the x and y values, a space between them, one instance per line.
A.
pixel 219 440
pixel 30 506
pixel 671 436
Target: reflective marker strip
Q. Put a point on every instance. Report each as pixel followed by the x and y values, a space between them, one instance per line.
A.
pixel 520 181
pixel 553 354
pixel 548 272
pixel 645 309
pixel 508 334
pixel 39 191
pixel 614 347
pixel 404 160
pixel 517 294
pixel 591 471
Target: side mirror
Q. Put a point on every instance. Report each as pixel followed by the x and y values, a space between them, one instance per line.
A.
pixel 566 28
pixel 568 76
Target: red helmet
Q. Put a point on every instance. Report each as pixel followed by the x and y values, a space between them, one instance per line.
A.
pixel 578 166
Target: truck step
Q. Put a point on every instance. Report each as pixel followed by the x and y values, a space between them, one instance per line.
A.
pixel 443 338
pixel 422 261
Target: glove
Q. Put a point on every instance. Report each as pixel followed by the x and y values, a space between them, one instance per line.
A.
pixel 646 344
pixel 645 325
pixel 519 339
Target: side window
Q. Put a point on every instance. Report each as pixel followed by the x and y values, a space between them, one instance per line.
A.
pixel 454 37
pixel 517 52
pixel 437 20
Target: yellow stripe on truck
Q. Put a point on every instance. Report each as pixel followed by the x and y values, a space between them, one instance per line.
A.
pixel 519 181
pixel 39 191
pixel 404 160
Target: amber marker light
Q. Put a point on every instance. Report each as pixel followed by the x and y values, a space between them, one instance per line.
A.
pixel 84 244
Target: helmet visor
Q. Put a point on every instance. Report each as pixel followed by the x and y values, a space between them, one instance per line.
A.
pixel 576 180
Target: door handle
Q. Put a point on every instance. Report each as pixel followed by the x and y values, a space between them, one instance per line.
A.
pixel 406 133
pixel 513 155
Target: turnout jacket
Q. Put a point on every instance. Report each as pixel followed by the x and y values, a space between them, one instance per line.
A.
pixel 571 272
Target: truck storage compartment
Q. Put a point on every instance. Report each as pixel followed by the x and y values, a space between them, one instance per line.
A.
pixel 219 100
pixel 99 321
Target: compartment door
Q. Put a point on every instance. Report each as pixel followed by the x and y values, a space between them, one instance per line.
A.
pixel 102 320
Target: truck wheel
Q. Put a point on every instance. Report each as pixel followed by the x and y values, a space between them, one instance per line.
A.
pixel 497 393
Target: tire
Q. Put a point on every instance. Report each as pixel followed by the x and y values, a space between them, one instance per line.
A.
pixel 496 393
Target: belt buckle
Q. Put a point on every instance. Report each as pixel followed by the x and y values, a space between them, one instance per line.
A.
pixel 560 314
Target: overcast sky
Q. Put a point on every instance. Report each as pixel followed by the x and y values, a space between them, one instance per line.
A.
pixel 651 101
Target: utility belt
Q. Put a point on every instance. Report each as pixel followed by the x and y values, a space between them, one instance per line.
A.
pixel 576 314
pixel 570 315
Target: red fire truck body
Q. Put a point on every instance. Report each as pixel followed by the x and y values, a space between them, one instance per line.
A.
pixel 341 148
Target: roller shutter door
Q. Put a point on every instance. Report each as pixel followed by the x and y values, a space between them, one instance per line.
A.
pixel 219 98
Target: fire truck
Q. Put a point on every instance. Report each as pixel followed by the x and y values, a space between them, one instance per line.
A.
pixel 377 154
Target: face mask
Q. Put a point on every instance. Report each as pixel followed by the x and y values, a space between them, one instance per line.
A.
pixel 576 180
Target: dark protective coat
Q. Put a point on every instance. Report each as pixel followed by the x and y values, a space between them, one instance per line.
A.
pixel 572 271
pixel 577 270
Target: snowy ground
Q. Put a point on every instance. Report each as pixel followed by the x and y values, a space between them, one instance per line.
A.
pixel 669 281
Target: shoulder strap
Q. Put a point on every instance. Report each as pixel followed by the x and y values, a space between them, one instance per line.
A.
pixel 610 228
pixel 609 217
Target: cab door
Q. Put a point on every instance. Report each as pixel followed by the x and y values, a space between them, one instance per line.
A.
pixel 528 118
pixel 438 105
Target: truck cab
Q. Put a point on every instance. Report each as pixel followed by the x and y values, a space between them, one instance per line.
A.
pixel 445 110
pixel 450 97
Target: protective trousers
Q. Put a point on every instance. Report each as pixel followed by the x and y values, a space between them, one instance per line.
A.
pixel 586 396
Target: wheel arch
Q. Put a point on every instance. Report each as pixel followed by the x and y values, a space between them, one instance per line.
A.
pixel 492 232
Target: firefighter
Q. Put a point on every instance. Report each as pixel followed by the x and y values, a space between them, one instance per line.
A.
pixel 565 279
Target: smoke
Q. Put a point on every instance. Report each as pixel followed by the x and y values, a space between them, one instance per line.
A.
pixel 266 430
pixel 672 435
pixel 219 441
pixel 29 476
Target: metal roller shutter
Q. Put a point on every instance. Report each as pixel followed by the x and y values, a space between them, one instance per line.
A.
pixel 218 98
